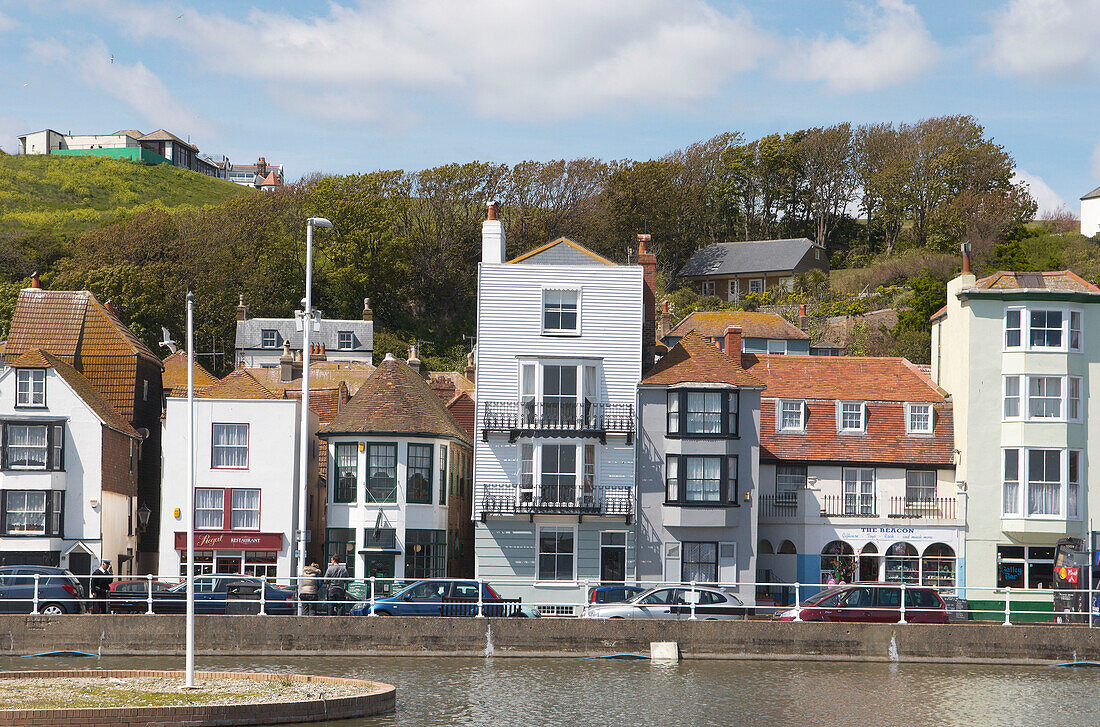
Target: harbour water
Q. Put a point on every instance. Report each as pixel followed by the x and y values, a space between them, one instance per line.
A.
pixel 565 691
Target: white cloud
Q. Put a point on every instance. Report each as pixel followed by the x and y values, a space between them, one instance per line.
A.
pixel 1045 38
pixel 1047 198
pixel 502 58
pixel 10 128
pixel 7 23
pixel 893 47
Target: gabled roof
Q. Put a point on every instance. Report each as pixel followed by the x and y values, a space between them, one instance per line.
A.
pixel 851 378
pixel 162 135
pixel 695 361
pixel 174 378
pixel 39 359
pixel 713 324
pixel 395 399
pixel 1093 194
pixel 1054 280
pixel 561 251
pixel 322 375
pixel 270 181
pixel 132 133
pixel 239 384
pixel 755 256
pixel 250 334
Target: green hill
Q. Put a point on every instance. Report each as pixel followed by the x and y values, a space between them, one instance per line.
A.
pixel 68 194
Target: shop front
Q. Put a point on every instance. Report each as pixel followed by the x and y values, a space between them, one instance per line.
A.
pixel 929 556
pixel 264 555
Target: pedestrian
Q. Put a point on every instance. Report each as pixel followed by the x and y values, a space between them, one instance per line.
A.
pixel 832 580
pixel 100 586
pixel 308 588
pixel 336 583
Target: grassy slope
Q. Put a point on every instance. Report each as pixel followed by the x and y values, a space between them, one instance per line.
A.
pixel 72 194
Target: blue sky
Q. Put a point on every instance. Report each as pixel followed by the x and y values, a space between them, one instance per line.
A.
pixel 352 87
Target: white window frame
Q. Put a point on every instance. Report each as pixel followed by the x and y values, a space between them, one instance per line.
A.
pixel 840 414
pixel 30 383
pixel 538 534
pixel 753 281
pixel 1073 484
pixel 1067 402
pixel 1020 398
pixel 340 340
pixel 1021 508
pixel 707 288
pixel 1072 401
pixel 864 501
pixel 1068 330
pixel 1046 398
pixel 911 409
pixel 779 404
pixel 263 336
pixel 1011 478
pixel 247 445
pixel 576 331
pixel 735 289
pixel 777 343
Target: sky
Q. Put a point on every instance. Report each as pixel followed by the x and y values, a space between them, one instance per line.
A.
pixel 347 87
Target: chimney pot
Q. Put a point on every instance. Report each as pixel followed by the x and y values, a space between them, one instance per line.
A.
pixel 643 242
pixel 35 282
pixel 965 249
pixel 803 319
pixel 665 324
pixel 242 309
pixel 492 237
pixel 368 313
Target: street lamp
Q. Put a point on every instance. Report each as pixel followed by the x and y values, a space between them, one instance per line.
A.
pixel 190 610
pixel 305 322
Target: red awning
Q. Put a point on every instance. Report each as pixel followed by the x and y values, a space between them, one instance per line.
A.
pixel 231 540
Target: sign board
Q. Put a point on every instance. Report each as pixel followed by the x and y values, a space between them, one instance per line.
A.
pixel 298 536
pixel 893 533
pixel 229 540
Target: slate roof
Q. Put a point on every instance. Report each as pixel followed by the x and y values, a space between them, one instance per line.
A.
pixel 1056 280
pixel 395 399
pixel 694 360
pixel 249 334
pixel 713 324
pixel 561 251
pixel 853 378
pixel 240 384
pixel 756 256
pixel 38 359
pixel 174 378
pixel 1093 194
pixel 80 331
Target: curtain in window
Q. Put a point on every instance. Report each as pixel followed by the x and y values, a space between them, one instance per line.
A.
pixel 209 513
pixel 246 509
pixel 1044 487
pixel 230 445
pixel 27 446
pixel 26 511
pixel 704 476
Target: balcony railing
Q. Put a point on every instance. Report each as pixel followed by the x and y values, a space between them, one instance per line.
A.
pixel 809 504
pixel 934 508
pixel 509 499
pixel 779 505
pixel 564 419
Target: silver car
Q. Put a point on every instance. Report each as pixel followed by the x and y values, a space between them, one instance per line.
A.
pixel 674 602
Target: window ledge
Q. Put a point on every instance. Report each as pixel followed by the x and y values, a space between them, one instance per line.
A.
pixel 562 334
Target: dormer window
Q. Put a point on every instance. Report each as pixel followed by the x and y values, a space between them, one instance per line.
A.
pixel 30 387
pixel 851 417
pixel 561 311
pixel 345 341
pixel 269 338
pixel 792 415
pixel 918 418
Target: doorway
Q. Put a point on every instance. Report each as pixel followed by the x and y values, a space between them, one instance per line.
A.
pixel 380 565
pixel 228 563
pixel 868 563
pixel 80 565
pixel 612 557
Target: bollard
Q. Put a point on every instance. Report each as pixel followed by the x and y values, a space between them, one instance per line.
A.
pixel 35 605
pixel 584 596
pixel 149 608
pixel 694 597
pixel 902 619
pixel 480 601
pixel 263 597
pixel 371 612
pixel 797 603
pixel 1008 598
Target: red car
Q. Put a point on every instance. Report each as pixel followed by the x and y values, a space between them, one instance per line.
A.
pixel 871 603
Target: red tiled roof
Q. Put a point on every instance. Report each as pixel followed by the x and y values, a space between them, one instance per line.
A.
pixel 325 403
pixel 713 324
pixel 322 375
pixel 694 360
pixel 174 378
pixel 1058 280
pixel 462 408
pixel 854 378
pixel 240 384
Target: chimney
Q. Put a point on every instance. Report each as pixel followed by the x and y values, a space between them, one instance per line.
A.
pixel 414 361
pixel 35 282
pixel 803 319
pixel 733 343
pixel 471 371
pixel 648 261
pixel 492 237
pixel 319 353
pixel 261 167
pixel 110 306
pixel 666 321
pixel 242 309
pixel 286 363
pixel 965 249
pixel 368 314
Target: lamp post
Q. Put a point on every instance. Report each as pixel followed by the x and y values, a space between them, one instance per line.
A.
pixel 190 647
pixel 306 321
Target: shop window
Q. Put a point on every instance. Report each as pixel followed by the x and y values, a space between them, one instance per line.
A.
pixel 902 564
pixel 938 566
pixel 838 561
pixel 204 562
pixel 1021 566
pixel 340 542
pixel 261 564
pixel 425 553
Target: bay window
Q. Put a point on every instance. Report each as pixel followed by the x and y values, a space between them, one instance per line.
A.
pixel 1042 329
pixel 1012 397
pixel 1051 480
pixel 702 413
pixel 1010 489
pixel 701 480
pixel 34 446
pixel 1044 481
pixel 33 512
pixel 1045 327
pixel 418 484
pixel 229 446
pixel 1046 398
pixel 30 387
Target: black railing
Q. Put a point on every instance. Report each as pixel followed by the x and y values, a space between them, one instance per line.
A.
pixel 548 418
pixel 557 500
pixel 785 505
pixel 932 508
pixel 848 506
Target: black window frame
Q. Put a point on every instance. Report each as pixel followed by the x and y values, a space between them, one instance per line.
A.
pixel 346 554
pixel 55 430
pixel 729 414
pixel 55 505
pixel 425 553
pixel 339 485
pixel 371 488
pixel 684 561
pixel 728 486
pixel 422 499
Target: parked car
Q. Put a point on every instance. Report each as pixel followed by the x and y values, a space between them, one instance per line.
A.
pixel 443 598
pixel 617 593
pixel 59 591
pixel 872 603
pixel 226 594
pixel 674 602
pixel 132 596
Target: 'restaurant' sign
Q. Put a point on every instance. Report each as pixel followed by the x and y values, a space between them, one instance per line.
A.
pixel 222 540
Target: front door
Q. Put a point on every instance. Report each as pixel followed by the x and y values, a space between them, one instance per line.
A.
pixel 80 565
pixel 868 568
pixel 228 563
pixel 612 557
pixel 380 566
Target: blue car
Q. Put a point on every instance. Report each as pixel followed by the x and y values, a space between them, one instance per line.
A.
pixel 227 594
pixel 439 598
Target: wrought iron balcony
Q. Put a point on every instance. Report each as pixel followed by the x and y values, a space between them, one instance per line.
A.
pixel 785 505
pixel 562 419
pixel 932 508
pixel 510 499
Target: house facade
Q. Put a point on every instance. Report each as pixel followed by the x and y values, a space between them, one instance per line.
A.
pixel 760 332
pixel 1016 351
pixel 559 357
pixel 399 481
pixel 698 452
pixel 158 147
pixel 1090 213
pixel 857 475
pixel 260 341
pixel 732 270
pixel 68 470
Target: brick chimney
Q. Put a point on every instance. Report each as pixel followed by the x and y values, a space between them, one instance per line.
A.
pixel 414 361
pixel 666 321
pixel 110 306
pixel 286 364
pixel 261 167
pixel 803 319
pixel 733 343
pixel 965 250
pixel 492 236
pixel 368 313
pixel 35 282
pixel 471 369
pixel 242 309
pixel 648 261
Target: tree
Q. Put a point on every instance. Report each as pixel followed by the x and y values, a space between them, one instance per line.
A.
pixel 828 156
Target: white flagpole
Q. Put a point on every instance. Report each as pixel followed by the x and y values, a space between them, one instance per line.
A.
pixel 190 508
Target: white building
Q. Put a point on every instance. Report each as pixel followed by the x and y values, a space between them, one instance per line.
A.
pixel 68 478
pixel 246 480
pixel 1090 213
pixel 260 341
pixel 559 356
pixel 1016 351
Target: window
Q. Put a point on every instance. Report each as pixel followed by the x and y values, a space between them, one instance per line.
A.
pixel 588 483
pixel 345 340
pixel 261 564
pixel 1075 330
pixel 560 311
pixel 702 413
pixel 918 419
pixel 707 288
pixel 756 286
pixel 920 486
pixel 673 412
pixel 555 553
pixel 699 563
pixel 672 478
pixel 777 346
pixel 209 508
pixel 704 479
pixel 269 338
pixel 1044 397
pixel 425 553
pixel 1025 567
pixel 30 387
pixel 341 543
pixel 735 290
pixel 1045 327
pixel 1073 484
pixel 418 485
pixel 443 474
pixel 526 472
pixel 792 415
pixel 559 473
pixel 204 565
pixel 347 472
pixel 1012 328
pixel 731 479
pixel 1073 412
pixel 229 446
pixel 33 512
pixel 245 510
pixel 789 479
pixel 700 480
pixel 559 394
pixel 1010 492
pixel 1044 481
pixel 851 415
pixel 382 473
pixel 1012 397
pixel 859 491
pixel 27 446
pixel 380 539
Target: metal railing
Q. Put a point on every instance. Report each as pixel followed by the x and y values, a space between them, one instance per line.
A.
pixel 509 499
pixel 810 504
pixel 547 418
pixel 933 508
pixel 782 506
pixel 848 506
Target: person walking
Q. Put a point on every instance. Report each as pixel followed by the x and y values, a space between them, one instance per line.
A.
pixel 308 589
pixel 100 586
pixel 336 584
